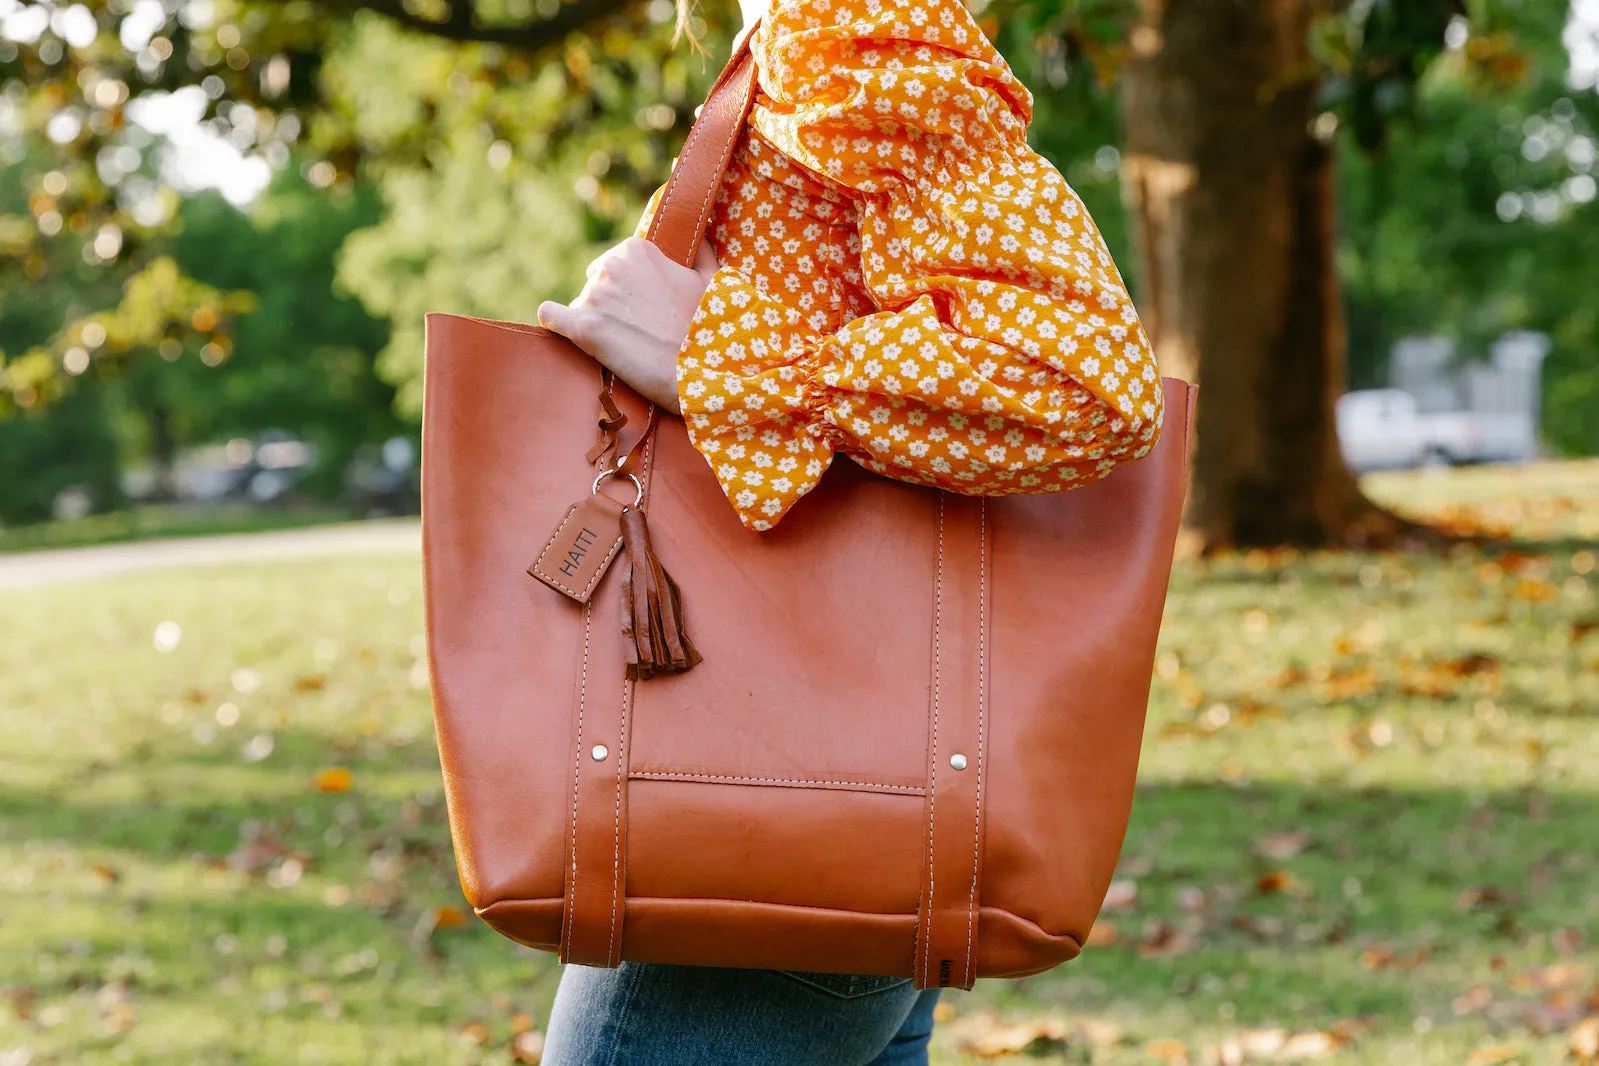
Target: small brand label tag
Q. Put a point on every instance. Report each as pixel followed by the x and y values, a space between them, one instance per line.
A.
pixel 582 547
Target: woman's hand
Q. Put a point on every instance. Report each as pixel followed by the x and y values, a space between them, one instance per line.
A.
pixel 634 313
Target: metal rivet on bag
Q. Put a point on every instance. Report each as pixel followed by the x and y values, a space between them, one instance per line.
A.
pixel 958 761
pixel 601 751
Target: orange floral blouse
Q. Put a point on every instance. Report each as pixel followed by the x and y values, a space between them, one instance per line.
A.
pixel 902 278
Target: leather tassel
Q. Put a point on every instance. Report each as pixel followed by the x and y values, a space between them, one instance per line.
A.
pixel 652 608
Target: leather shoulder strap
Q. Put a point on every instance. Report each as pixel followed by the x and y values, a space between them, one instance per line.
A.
pixel 685 207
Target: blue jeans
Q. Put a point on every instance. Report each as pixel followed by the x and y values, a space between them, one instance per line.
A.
pixel 645 1014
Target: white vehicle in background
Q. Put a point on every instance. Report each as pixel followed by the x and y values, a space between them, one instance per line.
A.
pixel 1442 411
pixel 1377 430
pixel 1383 429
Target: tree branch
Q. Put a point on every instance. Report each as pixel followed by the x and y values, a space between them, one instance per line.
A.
pixel 462 24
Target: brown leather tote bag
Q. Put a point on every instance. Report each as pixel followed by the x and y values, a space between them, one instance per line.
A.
pixel 911 745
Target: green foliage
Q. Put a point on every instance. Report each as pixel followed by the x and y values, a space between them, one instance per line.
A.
pixel 44 453
pixel 303 360
pixel 1481 217
pixel 464 239
pixel 501 179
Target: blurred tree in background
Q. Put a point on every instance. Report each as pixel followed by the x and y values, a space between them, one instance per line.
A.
pixel 305 357
pixel 472 156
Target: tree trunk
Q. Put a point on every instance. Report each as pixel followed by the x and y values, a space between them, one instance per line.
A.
pixel 1233 198
pixel 163 451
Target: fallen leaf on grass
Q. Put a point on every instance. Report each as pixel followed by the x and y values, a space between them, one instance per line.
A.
pixel 528 1047
pixel 309 683
pixel 1585 1041
pixel 22 1000
pixel 1103 935
pixel 1256 1043
pixel 256 855
pixel 1552 977
pixel 1470 665
pixel 1098 1032
pixel 118 1019
pixel 1412 961
pixel 1346 1030
pixel 1162 940
pixel 986 1038
pixel 1121 896
pixel 1279 1045
pixel 1486 895
pixel 1382 957
pixel 1560 1012
pixel 1263 927
pixel 1535 591
pixel 1475 999
pixel 106 873
pixel 1282 846
pixel 473 1032
pixel 1567 940
pixel 1308 1047
pixel 1376 957
pixel 440 918
pixel 1281 882
pixel 1493 1054
pixel 334 779
pixel 1172 1052
pixel 1350 684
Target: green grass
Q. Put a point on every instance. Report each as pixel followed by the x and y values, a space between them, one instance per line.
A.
pixel 1406 743
pixel 163 520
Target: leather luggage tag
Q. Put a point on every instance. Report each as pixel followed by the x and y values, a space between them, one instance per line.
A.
pixel 582 547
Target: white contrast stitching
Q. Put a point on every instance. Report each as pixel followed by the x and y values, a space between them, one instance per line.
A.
pixel 621 771
pixel 577 784
pixel 734 128
pixel 671 184
pixel 982 689
pixel 611 947
pixel 616 828
pixel 932 783
pixel 692 776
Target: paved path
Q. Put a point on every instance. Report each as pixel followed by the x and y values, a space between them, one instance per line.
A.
pixel 30 569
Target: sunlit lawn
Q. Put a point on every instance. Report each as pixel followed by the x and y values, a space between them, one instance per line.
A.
pixel 1369 816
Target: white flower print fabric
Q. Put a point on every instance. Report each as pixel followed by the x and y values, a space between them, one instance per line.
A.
pixel 903 279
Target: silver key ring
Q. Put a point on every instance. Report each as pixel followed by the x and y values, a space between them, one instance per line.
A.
pixel 638 486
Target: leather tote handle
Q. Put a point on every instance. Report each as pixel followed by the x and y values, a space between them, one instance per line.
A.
pixel 681 217
pixel 685 207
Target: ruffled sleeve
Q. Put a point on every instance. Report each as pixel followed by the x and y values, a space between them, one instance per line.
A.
pixel 1004 356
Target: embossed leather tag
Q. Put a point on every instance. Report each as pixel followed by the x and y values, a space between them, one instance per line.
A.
pixel 582 547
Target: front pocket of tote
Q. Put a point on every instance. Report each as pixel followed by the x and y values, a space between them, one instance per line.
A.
pixel 825 849
pixel 818 638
